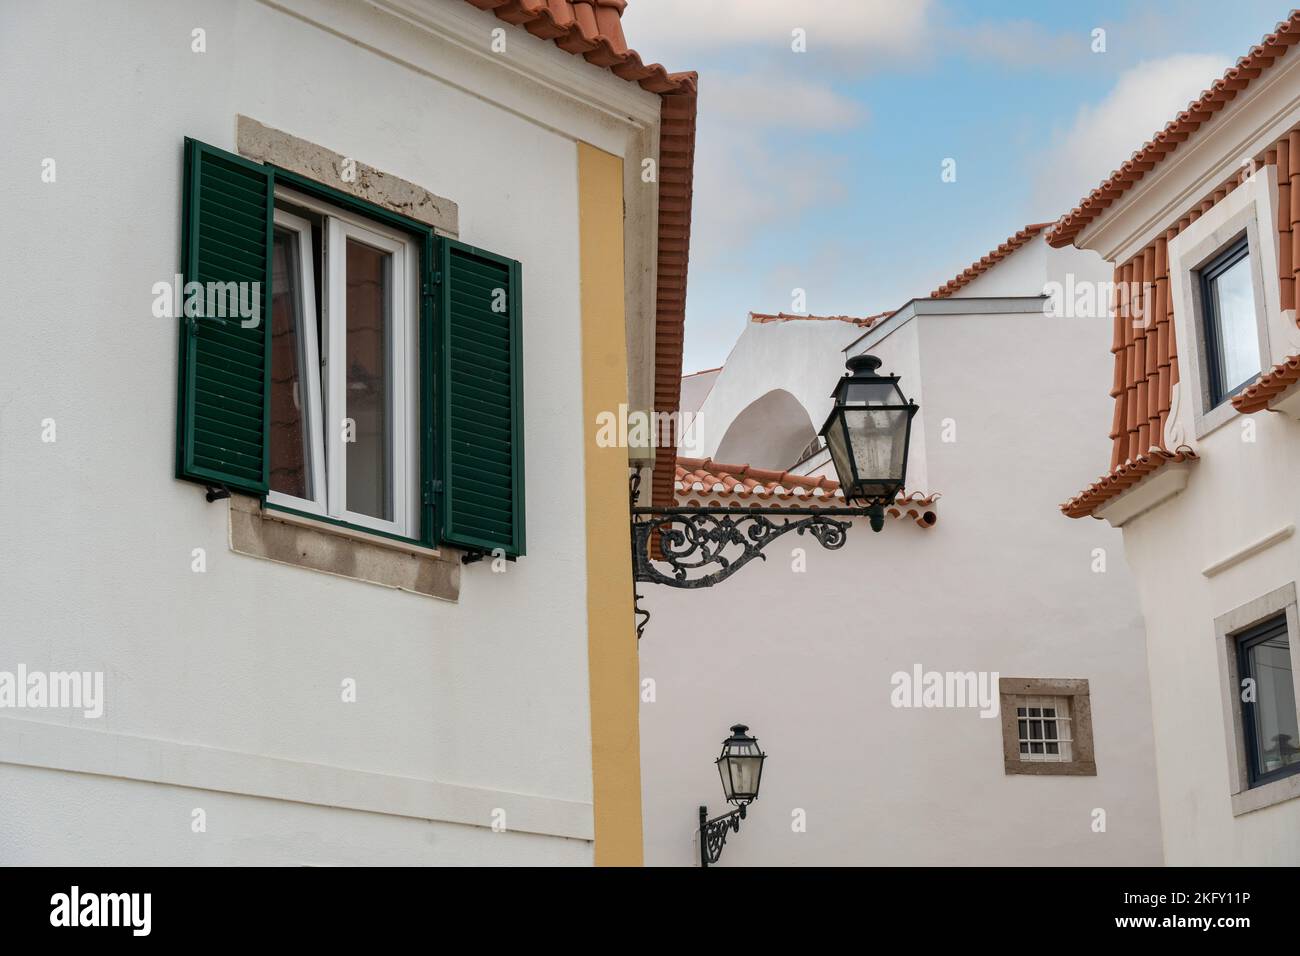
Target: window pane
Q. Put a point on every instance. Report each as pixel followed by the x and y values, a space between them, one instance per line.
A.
pixel 1276 736
pixel 368 403
pixel 290 473
pixel 1234 307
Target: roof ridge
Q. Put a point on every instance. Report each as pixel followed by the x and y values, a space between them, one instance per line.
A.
pixel 1186 122
pixel 864 321
pixel 989 259
pixel 594 31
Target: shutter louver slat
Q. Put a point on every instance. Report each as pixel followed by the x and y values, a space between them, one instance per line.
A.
pixel 481 401
pixel 224 366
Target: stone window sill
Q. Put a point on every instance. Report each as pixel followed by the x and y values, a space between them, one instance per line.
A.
pixel 303 542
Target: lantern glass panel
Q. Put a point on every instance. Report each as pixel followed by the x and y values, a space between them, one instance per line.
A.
pixel 878 438
pixel 741 768
pixel 882 391
pixel 838 443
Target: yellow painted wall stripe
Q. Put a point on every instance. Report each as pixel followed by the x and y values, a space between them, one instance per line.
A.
pixel 611 635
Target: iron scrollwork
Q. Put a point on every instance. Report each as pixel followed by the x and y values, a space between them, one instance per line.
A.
pixel 704 547
pixel 713 833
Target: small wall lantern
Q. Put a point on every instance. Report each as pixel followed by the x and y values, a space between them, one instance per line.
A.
pixel 740 766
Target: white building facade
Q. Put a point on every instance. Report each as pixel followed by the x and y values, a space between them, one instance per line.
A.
pixel 1205 447
pixel 826 655
pixel 311 674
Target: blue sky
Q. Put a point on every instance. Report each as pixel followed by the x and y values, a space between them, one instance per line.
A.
pixel 821 170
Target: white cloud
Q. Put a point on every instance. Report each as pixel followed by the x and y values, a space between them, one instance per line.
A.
pixel 751 170
pixel 664 29
pixel 743 186
pixel 768 101
pixel 1103 135
pixel 1020 44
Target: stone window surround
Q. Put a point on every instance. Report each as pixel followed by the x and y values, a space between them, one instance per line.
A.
pixel 286 538
pixel 1084 763
pixel 1245 798
pixel 1194 247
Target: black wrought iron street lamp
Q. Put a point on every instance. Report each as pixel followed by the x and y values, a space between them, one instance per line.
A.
pixel 741 768
pixel 867 434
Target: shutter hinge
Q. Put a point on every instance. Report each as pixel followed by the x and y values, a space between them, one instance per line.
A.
pixel 430 489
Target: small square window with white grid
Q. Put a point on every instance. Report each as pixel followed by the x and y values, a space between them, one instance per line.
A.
pixel 1043 729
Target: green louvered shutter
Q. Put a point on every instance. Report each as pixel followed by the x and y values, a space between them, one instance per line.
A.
pixel 224 379
pixel 481 400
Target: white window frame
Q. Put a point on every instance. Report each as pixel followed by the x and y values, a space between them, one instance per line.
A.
pixel 328 445
pixel 1064 739
pixel 309 372
pixel 1247 209
pixel 401 327
pixel 1244 797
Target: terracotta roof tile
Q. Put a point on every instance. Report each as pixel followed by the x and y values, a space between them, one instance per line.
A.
pixel 702 482
pixel 982 265
pixel 1271 384
pixel 1177 130
pixel 1144 343
pixel 863 321
pixel 593 29
pixel 1121 479
pixel 676 191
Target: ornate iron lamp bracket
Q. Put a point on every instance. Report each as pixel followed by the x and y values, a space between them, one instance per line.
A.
pixel 701 547
pixel 704 546
pixel 713 833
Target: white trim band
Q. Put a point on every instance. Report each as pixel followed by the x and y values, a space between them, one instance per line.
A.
pixel 32 743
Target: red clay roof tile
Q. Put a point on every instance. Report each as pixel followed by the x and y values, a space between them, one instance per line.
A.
pixel 704 482
pixel 863 321
pixel 1121 479
pixel 676 192
pixel 982 265
pixel 1271 384
pixel 593 30
pixel 1177 130
pixel 1145 345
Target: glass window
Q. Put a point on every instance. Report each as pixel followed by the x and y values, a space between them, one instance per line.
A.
pixel 344 442
pixel 1043 729
pixel 1231 334
pixel 368 321
pixel 297 454
pixel 1268 704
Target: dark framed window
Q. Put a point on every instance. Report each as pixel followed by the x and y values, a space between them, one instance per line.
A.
pixel 1232 357
pixel 1268 704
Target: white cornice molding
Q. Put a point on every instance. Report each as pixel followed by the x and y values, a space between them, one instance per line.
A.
pixel 951 305
pixel 1252 122
pixel 1151 491
pixel 532 57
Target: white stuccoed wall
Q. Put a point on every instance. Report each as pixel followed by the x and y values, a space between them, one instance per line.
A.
pixel 230 680
pixel 801 358
pixel 1002 583
pixel 1238 493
